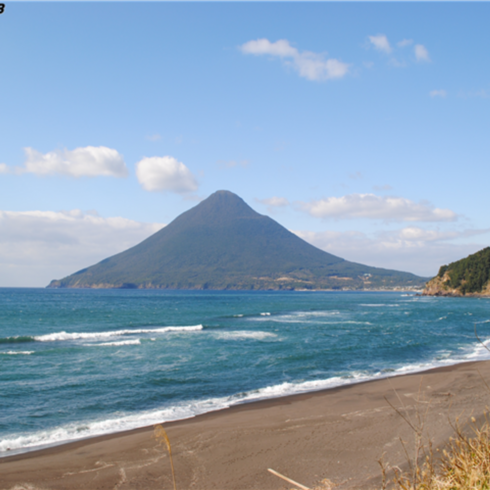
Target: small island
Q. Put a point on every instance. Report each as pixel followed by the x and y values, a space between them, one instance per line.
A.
pixel 466 277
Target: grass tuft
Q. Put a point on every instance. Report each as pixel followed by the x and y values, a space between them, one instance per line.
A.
pixel 463 464
pixel 160 435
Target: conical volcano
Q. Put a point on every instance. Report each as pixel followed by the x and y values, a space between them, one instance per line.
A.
pixel 222 243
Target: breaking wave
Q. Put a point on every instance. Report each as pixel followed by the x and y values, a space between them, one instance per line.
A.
pixel 60 336
pixel 245 335
pixel 52 337
pixel 17 353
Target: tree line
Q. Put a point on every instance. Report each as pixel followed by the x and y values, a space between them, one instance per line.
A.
pixel 471 274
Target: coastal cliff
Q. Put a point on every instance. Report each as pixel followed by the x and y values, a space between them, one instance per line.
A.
pixel 466 277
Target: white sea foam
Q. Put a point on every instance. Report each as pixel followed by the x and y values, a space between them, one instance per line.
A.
pixel 313 314
pixel 244 335
pixel 182 410
pixel 380 305
pixel 266 313
pixel 17 353
pixel 121 342
pixel 479 351
pixel 355 322
pixel 187 409
pixel 117 423
pixel 336 322
pixel 53 337
pixel 302 316
pixel 179 411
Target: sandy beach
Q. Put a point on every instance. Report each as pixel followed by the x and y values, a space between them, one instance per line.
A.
pixel 339 434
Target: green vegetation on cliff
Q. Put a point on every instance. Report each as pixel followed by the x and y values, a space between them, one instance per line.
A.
pixel 222 243
pixel 469 275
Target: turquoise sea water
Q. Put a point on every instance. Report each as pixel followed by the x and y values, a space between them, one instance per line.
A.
pixel 78 363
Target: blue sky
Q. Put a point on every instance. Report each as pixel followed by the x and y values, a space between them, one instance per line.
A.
pixel 362 127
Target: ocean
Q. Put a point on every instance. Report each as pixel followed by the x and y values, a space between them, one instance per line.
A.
pixel 80 363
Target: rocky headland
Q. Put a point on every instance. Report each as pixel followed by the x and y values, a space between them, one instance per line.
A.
pixel 466 277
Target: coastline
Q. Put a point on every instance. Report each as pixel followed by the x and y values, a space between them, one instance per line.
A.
pixel 338 433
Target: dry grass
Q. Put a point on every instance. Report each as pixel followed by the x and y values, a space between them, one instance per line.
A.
pixel 463 464
pixel 466 464
pixel 161 436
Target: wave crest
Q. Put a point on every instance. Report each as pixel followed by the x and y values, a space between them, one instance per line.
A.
pixel 53 337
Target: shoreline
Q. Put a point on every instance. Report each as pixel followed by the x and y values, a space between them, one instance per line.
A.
pixel 294 434
pixel 277 398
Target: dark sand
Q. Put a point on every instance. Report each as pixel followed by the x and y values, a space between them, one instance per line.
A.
pixel 337 434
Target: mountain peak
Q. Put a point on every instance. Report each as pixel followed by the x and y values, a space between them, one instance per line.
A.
pixel 224 194
pixel 225 199
pixel 221 206
pixel 222 243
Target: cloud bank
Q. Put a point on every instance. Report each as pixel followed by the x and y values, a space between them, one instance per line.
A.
pixel 274 203
pixel 89 161
pixel 410 249
pixel 38 246
pixel 370 206
pixel 165 174
pixel 309 65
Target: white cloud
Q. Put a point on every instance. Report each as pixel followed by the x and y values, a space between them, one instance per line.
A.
pixel 280 48
pixel 38 246
pixel 438 93
pixel 414 233
pixel 397 63
pixel 89 161
pixel 356 176
pixel 421 53
pixel 4 168
pixel 165 174
pixel 404 43
pixel 479 93
pixel 381 43
pixel 410 249
pixel 273 203
pixel 476 93
pixel 154 137
pixel 370 206
pixel 312 66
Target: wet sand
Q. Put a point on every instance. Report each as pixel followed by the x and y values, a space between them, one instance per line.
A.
pixel 338 434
